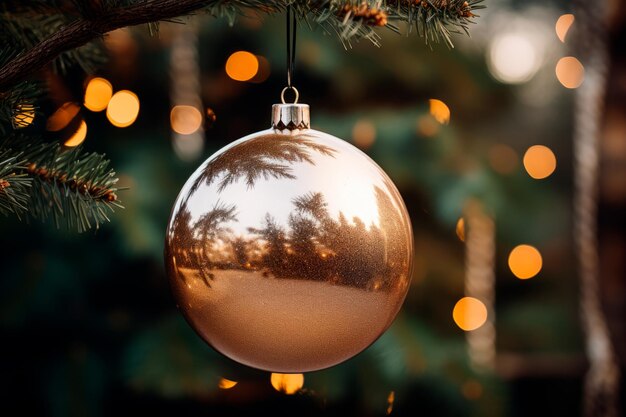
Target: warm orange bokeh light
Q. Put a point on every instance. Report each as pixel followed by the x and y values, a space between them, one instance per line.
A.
pixel 97 94
pixel 539 162
pixel 427 126
pixel 390 399
pixel 440 111
pixel 185 119
pixel 469 313
pixel 287 383
pixel 460 229
pixel 226 383
pixel 472 389
pixel 364 134
pixel 525 261
pixel 503 159
pixel 62 117
pixel 563 25
pixel 78 137
pixel 264 71
pixel 24 115
pixel 242 66
pixel 570 72
pixel 123 108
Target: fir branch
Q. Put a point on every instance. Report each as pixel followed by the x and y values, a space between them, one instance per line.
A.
pixel 49 181
pixel 18 106
pixel 371 16
pixel 24 31
pixel 14 187
pixel 435 20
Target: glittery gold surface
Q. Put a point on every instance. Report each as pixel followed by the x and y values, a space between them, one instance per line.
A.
pixel 289 251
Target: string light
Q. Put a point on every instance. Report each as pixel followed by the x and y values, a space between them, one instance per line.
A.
pixel 363 134
pixel 97 94
pixel 503 159
pixel 263 71
pixel 513 58
pixel 24 115
pixel 78 137
pixel 563 24
pixel 185 119
pixel 460 229
pixel 472 389
pixel 62 117
pixel 123 108
pixel 226 383
pixel 539 162
pixel 427 126
pixel 242 66
pixel 525 261
pixel 440 111
pixel 570 72
pixel 390 400
pixel 287 383
pixel 469 313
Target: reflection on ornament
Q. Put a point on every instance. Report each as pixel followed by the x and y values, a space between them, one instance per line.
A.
pixel 289 250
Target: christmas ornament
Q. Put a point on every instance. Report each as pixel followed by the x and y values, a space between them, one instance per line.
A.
pixel 289 250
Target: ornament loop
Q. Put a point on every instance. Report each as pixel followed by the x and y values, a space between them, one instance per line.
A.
pixel 295 91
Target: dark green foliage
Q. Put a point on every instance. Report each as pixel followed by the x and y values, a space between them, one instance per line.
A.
pixel 48 181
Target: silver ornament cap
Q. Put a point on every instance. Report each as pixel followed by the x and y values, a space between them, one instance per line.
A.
pixel 291 116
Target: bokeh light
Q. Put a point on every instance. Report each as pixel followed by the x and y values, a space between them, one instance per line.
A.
pixel 185 119
pixel 563 24
pixel 460 229
pixel 427 126
pixel 62 117
pixel 570 72
pixel 287 383
pixel 439 110
pixel 390 400
pixel 503 159
pixel 97 94
pixel 226 383
pixel 123 108
pixel 24 115
pixel 539 162
pixel 264 70
pixel 472 389
pixel 242 66
pixel 364 134
pixel 211 117
pixel 525 261
pixel 78 137
pixel 469 313
pixel 513 58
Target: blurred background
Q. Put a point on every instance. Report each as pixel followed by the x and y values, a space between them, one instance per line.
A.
pixel 480 134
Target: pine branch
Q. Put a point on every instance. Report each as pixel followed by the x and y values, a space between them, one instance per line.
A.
pixel 348 19
pixel 46 180
pixel 23 30
pixel 18 105
pixel 436 20
pixel 14 187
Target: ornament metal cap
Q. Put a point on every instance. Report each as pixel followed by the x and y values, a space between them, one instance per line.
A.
pixel 291 116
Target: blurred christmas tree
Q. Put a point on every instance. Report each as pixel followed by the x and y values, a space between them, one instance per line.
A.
pixel 87 324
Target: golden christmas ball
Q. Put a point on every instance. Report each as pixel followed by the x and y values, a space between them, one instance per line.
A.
pixel 289 250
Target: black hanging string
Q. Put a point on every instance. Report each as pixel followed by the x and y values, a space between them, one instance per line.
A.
pixel 291 44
